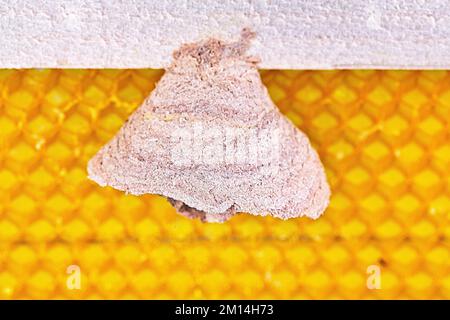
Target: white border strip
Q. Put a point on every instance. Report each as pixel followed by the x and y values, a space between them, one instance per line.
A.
pixel 298 34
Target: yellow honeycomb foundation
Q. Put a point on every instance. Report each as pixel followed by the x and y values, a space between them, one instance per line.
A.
pixel 383 136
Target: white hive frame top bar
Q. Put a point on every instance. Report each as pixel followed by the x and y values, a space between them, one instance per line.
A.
pixel 297 34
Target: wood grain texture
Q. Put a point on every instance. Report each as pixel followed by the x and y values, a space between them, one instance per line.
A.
pixel 298 34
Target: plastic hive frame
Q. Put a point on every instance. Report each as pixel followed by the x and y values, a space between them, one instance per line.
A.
pixel 383 137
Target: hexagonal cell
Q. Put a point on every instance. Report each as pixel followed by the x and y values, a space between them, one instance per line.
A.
pixel 354 229
pixel 407 209
pixel 389 230
pixel 9 130
pixel 431 131
pixel 411 157
pixel 58 256
pixel 380 96
pixel 358 181
pixel 415 98
pixel 267 257
pixel 360 127
pixel 324 124
pixel 336 257
pixel 343 95
pixel 128 92
pixel 423 230
pixel 58 155
pixel 368 254
pixel 41 231
pixel 441 158
pixel 76 230
pixel 283 230
pixel 440 206
pixel 59 208
pixel 249 228
pixel 111 283
pixel 41 181
pixel 359 81
pixel 405 259
pixel 373 208
pixel 437 260
pixel 21 99
pixel 94 206
pixel 341 207
pixel 427 183
pixel 41 128
pixel 360 122
pixel 24 208
pixel 21 156
pixel 74 183
pixel 94 96
pixel 111 230
pixel 392 183
pixel 77 124
pixel 106 80
pixel 376 155
pixel 146 281
pixel 340 153
pixel 318 283
pixel 58 97
pixel 276 93
pixel 250 282
pixel 146 230
pixel 41 284
pixel 73 80
pixel 108 124
pixel 295 118
pixel 308 94
pixel 8 180
pixel 395 129
pixel 317 229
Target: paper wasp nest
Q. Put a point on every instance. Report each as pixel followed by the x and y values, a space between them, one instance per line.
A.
pixel 210 139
